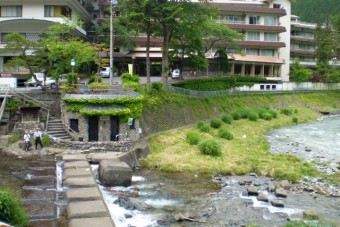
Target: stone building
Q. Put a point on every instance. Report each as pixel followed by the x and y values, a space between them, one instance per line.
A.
pixel 102 117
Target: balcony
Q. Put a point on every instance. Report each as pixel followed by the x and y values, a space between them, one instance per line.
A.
pixel 306 52
pixel 302 39
pixel 257 27
pixel 250 9
pixel 261 44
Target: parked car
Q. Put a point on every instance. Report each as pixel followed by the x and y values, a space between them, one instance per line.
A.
pixel 49 82
pixel 176 73
pixel 105 72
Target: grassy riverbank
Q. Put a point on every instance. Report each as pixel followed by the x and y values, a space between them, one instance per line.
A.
pixel 249 150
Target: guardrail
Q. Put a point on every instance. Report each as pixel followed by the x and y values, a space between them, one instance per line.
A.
pixel 243 90
pixel 3 106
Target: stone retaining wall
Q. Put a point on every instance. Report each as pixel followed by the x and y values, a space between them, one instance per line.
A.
pixel 94 147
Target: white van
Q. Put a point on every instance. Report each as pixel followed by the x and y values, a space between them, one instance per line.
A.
pixel 105 72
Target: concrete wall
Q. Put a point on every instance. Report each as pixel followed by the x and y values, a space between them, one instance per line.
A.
pixel 290 86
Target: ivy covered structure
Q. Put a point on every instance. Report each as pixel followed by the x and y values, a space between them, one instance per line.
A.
pixel 102 117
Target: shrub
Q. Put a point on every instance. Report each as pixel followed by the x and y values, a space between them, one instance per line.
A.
pixel 156 86
pixel 205 128
pixel 210 147
pixel 227 118
pixel 72 78
pixel 46 141
pixel 286 111
pixel 295 120
pixel 236 115
pixel 127 77
pixel 99 86
pixel 266 116
pixel 225 134
pixel 193 138
pixel 14 138
pixel 215 123
pixel 199 124
pixel 11 209
pixel 253 116
pixel 273 113
pixel 244 113
pixel 95 78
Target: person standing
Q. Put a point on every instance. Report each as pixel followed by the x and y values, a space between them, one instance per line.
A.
pixel 27 139
pixel 38 138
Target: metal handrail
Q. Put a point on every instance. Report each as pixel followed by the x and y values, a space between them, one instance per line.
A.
pixel 3 105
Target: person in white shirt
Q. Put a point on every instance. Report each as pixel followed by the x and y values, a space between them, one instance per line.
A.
pixel 38 138
pixel 27 139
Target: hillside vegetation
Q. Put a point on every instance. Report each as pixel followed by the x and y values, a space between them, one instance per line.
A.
pixel 315 11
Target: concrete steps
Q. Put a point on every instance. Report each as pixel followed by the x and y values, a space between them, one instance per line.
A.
pixel 86 206
pixel 57 130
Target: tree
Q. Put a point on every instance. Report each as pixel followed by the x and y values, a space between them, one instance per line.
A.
pixel 25 49
pixel 299 73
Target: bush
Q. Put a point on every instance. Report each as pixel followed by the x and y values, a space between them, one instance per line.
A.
pixel 286 111
pixel 193 138
pixel 127 77
pixel 253 116
pixel 46 141
pixel 11 209
pixel 99 86
pixel 72 78
pixel 156 87
pixel 295 120
pixel 205 128
pixel 273 113
pixel 227 118
pixel 236 116
pixel 199 124
pixel 244 113
pixel 225 134
pixel 95 78
pixel 210 147
pixel 14 138
pixel 215 123
pixel 266 116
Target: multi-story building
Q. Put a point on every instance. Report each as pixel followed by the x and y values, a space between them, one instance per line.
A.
pixel 272 38
pixel 302 43
pixel 31 18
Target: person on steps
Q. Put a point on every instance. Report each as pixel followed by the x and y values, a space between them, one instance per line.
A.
pixel 27 139
pixel 38 138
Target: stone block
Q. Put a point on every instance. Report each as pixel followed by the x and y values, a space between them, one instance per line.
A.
pixel 277 203
pixel 91 193
pixel 262 197
pixel 115 173
pixel 80 172
pixel 252 191
pixel 80 181
pixel 104 222
pixel 87 209
pixel 98 157
pixel 75 157
pixel 76 164
pixel 279 192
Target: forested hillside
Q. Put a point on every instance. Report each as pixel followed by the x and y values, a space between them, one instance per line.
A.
pixel 316 11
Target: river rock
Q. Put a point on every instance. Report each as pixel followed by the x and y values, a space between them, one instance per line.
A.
pixel 281 193
pixel 114 173
pixel 169 208
pixel 132 203
pixel 252 190
pixel 271 188
pixel 181 217
pixel 311 214
pixel 308 149
pixel 277 203
pixel 285 184
pixel 262 198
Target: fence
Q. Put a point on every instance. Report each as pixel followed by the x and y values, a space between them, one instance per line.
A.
pixel 259 88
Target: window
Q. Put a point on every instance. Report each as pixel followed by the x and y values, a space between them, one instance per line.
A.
pixel 271 21
pixel 11 11
pixel 254 19
pixel 270 36
pixel 57 11
pixel 273 87
pixel 74 125
pixel 267 52
pixel 252 51
pixel 261 87
pixel 255 36
pixel 277 6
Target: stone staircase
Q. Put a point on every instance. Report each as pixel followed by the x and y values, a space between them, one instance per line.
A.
pixel 56 129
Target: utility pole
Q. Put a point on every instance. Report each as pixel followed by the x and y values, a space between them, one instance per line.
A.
pixel 112 3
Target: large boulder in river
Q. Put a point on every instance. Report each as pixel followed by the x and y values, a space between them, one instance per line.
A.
pixel 252 191
pixel 279 192
pixel 115 173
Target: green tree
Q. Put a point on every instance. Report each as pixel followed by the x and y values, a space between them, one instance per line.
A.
pixel 299 73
